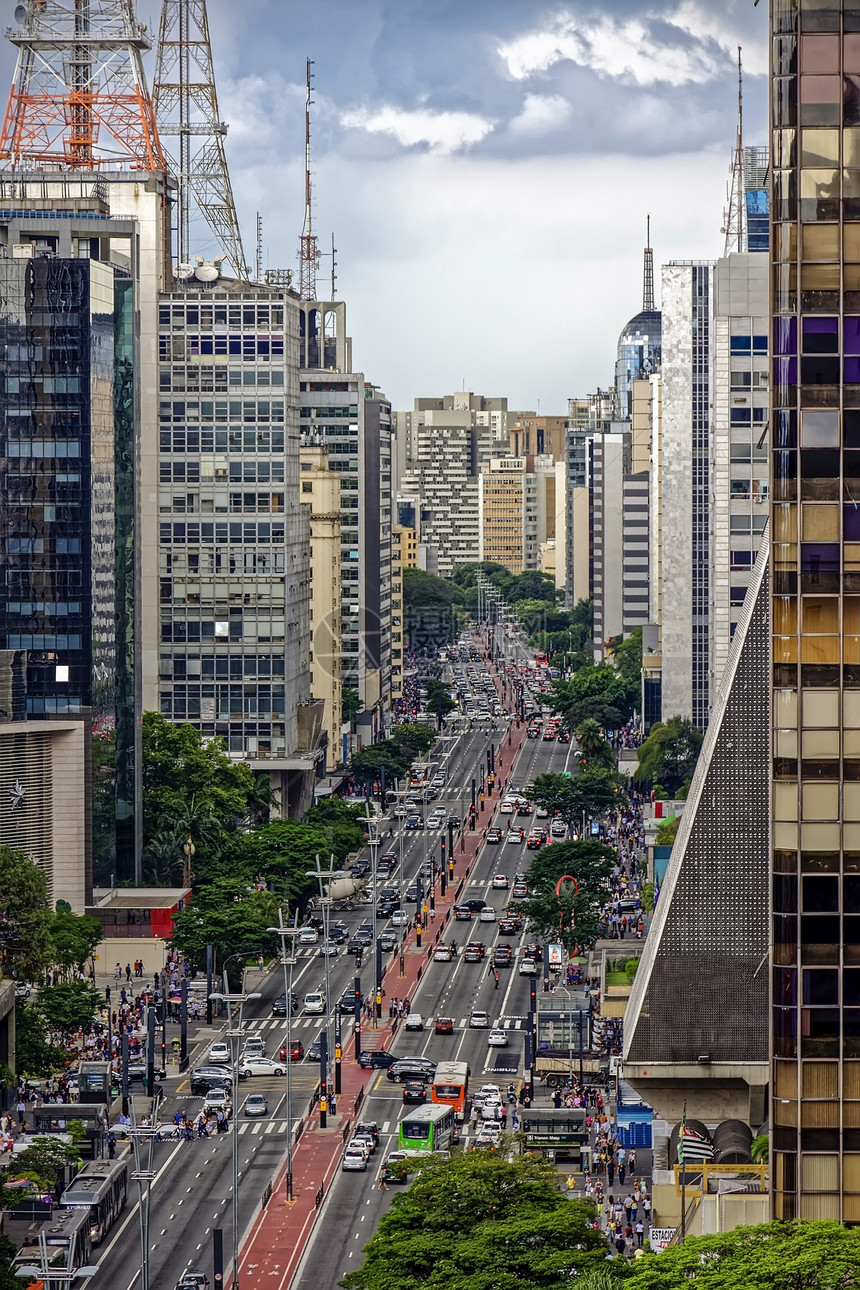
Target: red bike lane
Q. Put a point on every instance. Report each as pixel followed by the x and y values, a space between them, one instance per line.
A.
pixel 273 1246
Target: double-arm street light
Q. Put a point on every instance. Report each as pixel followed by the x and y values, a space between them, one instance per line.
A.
pixel 288 961
pixel 235 1012
pixel 326 902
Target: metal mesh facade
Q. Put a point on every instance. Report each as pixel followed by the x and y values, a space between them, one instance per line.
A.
pixel 702 984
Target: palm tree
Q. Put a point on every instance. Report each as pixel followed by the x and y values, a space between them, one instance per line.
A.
pixel 262 799
pixel 589 736
pixel 760 1149
pixel 162 859
pixel 193 819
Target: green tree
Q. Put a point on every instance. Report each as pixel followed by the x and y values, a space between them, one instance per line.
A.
pixel 432 608
pixel 44 1160
pixel 74 938
pixel 67 1007
pixel 595 790
pixel 351 704
pixel 368 763
pixel 812 1255
pixel 598 691
pixel 669 754
pixel 627 656
pixel 439 700
pixel 8 1279
pixel 592 745
pixel 185 776
pixel 164 859
pixel 668 831
pixel 760 1149
pixel 25 918
pixel 414 738
pixel 34 1056
pixel 484 1222
pixel 574 918
pixel 232 917
pixel 601 790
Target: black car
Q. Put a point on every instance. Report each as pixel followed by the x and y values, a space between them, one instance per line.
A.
pixel 411 892
pixel 347 1001
pixel 313 1053
pixel 279 1007
pixel 462 912
pixel 386 908
pixel 473 953
pixel 476 904
pixel 360 868
pixel 503 956
pixel 405 1068
pixel 370 1127
pixel 371 1058
pixel 414 1091
pixel 205 1082
pixel 508 927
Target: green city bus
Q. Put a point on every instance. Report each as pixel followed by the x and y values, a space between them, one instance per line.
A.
pixel 427 1128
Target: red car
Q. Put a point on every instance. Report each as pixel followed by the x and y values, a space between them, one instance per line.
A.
pixel 444 1025
pixel 297 1051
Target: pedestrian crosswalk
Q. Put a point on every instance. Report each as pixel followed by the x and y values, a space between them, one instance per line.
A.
pixel 257 1127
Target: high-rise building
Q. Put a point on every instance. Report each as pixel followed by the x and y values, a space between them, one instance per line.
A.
pixel 640 342
pixel 815 708
pixel 321 492
pixel 516 510
pixel 352 420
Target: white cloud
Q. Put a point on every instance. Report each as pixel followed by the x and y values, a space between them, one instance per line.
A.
pixel 698 18
pixel 443 132
pixel 624 49
pixel 541 113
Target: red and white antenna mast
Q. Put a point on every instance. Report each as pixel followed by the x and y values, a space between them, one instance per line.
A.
pixel 734 220
pixel 309 255
pixel 79 98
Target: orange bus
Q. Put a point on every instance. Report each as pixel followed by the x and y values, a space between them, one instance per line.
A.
pixel 451 1086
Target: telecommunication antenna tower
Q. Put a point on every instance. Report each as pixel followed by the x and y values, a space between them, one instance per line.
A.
pixel 186 109
pixel 648 273
pixel 79 98
pixel 734 221
pixel 309 254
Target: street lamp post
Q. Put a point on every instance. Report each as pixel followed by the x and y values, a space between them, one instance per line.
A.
pixel 234 1034
pixel 288 961
pixel 325 904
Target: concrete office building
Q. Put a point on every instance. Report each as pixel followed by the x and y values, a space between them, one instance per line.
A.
pixel 398 622
pixel 538 436
pixel 343 413
pixel 619 540
pixel 234 543
pixel 587 416
pixel 712 480
pixel 815 708
pixel 516 508
pixel 451 439
pixel 320 490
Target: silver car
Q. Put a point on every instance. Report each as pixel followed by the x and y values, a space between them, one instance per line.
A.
pixel 256 1104
pixel 354 1159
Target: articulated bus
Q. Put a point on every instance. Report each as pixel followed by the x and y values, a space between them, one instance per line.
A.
pixel 451 1087
pixel 427 1128
pixel 67 1237
pixel 101 1188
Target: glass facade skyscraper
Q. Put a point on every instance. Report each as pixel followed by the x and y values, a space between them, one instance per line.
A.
pixel 815 486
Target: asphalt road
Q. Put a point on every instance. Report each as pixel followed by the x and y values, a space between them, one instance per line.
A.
pixel 191 1191
pixel 354 1205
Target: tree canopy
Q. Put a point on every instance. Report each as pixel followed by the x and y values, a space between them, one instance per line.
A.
pixel 595 790
pixel 433 609
pixel 669 755
pixel 482 1221
pixel 810 1255
pixel 573 919
pixel 599 691
pixel 25 918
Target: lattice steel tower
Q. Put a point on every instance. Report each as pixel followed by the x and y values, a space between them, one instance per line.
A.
pixel 79 98
pixel 309 252
pixel 186 108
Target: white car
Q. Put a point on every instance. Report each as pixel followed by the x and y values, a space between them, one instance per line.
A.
pixel 261 1066
pixel 354 1160
pixel 400 812
pixel 359 1144
pixel 434 821
pixel 497 1039
pixel 314 1004
pixel 527 967
pixel 507 808
pixel 558 829
pixel 514 838
pixel 542 813
pixel 308 936
pixel 253 1047
pixel 491 1109
pixel 414 1021
pixel 216 1100
pixel 500 882
pixel 442 954
pixel 400 918
pixel 219 1054
pixel 479 1020
pixel 487 915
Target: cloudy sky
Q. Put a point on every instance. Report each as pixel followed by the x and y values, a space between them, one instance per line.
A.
pixel 486 167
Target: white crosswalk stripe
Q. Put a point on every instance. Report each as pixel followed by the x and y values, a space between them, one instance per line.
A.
pixel 386 1126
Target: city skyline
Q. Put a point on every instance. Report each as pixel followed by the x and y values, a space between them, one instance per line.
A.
pixel 465 139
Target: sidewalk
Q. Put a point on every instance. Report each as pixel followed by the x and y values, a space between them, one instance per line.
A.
pixel 277 1237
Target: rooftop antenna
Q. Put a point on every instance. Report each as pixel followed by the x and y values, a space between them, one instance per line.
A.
pixel 79 98
pixel 258 264
pixel 648 272
pixel 333 268
pixel 734 220
pixel 309 256
pixel 186 108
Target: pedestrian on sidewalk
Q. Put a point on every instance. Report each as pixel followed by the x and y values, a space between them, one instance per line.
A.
pixel 383 1182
